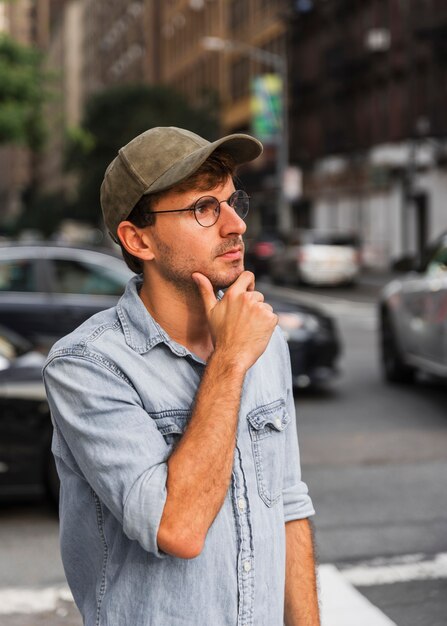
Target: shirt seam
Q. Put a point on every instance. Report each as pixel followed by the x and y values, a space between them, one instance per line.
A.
pixel 92 357
pixel 105 558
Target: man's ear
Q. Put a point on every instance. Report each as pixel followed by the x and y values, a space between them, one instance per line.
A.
pixel 135 240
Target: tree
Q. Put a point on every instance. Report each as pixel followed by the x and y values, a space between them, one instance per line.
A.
pixel 112 118
pixel 21 94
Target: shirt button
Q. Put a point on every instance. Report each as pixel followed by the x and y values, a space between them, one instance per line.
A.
pixel 241 504
pixel 247 566
pixel 278 423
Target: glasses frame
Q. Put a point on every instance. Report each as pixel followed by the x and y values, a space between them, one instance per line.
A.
pixel 193 207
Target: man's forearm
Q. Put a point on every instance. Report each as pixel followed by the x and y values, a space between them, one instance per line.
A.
pixel 199 469
pixel 301 597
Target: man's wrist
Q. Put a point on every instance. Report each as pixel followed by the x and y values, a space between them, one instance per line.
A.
pixel 228 365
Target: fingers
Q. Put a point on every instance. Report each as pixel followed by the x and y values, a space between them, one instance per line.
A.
pixel 267 307
pixel 257 296
pixel 205 289
pixel 245 282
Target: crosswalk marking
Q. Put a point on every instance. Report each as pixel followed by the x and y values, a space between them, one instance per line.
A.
pixel 343 605
pixel 29 601
pixel 402 569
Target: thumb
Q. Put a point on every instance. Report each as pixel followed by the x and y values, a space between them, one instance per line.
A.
pixel 206 290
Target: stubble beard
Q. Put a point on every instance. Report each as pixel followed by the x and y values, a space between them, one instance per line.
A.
pixel 180 276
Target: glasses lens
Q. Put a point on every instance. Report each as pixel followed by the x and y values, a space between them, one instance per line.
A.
pixel 240 201
pixel 206 210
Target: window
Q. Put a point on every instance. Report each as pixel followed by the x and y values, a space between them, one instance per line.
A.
pixel 87 278
pixel 240 78
pixel 238 14
pixel 17 275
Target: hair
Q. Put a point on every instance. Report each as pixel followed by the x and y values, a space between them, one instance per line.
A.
pixel 214 171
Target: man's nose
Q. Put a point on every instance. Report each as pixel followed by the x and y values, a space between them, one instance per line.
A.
pixel 229 220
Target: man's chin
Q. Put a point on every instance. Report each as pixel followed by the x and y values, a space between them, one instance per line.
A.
pixel 223 282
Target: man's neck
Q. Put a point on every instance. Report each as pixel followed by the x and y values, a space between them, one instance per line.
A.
pixel 180 314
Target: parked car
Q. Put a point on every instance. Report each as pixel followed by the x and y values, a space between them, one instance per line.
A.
pixel 313 341
pixel 47 290
pixel 413 318
pixel 318 258
pixel 26 463
pixel 261 250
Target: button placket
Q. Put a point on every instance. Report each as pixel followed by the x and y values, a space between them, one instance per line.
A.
pixel 245 556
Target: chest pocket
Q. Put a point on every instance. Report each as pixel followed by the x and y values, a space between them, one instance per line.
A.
pixel 172 424
pixel 267 425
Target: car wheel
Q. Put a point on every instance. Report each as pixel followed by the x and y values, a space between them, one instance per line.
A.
pixel 393 367
pixel 52 479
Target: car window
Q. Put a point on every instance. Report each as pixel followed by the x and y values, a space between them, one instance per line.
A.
pixel 81 277
pixel 17 275
pixel 438 262
pixel 335 240
pixel 7 349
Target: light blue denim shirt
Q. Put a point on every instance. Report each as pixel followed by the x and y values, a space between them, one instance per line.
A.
pixel 121 393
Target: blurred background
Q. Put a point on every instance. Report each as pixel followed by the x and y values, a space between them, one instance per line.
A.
pixel 348 97
pixel 346 235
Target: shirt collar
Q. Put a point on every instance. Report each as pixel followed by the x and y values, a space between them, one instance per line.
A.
pixel 141 331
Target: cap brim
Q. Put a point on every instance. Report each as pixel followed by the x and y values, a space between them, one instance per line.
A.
pixel 242 148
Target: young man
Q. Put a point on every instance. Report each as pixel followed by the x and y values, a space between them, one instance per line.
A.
pixel 174 427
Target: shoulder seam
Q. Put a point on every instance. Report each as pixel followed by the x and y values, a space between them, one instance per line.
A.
pixel 80 352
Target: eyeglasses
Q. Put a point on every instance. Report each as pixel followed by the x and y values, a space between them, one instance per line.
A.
pixel 207 208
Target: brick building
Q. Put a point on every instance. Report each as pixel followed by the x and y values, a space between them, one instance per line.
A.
pixel 27 22
pixel 368 125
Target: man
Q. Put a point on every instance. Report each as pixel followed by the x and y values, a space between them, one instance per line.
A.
pixel 174 426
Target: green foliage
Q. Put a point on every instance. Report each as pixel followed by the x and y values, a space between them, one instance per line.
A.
pixel 114 117
pixel 43 213
pixel 21 94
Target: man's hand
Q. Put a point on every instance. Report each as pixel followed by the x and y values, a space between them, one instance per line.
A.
pixel 241 324
pixel 199 469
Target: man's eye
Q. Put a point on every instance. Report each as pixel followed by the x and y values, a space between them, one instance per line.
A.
pixel 205 206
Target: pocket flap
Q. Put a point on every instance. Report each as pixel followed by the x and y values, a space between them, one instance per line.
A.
pixel 173 424
pixel 273 415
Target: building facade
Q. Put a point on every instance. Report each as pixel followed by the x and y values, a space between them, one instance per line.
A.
pixel 27 22
pixel 120 43
pixel 368 126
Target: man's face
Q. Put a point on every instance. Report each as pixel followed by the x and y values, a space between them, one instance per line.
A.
pixel 181 246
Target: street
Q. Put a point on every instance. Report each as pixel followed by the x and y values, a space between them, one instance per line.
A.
pixel 375 459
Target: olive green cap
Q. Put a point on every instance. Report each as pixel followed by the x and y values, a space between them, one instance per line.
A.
pixel 157 160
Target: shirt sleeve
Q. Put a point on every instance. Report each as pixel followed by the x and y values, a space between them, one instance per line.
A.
pixel 112 442
pixel 296 499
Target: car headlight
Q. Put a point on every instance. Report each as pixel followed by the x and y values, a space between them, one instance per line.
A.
pixel 297 325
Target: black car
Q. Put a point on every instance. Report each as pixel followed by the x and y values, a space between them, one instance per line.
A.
pixel 313 341
pixel 26 463
pixel 261 250
pixel 47 290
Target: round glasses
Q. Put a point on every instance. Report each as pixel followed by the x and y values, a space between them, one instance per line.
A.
pixel 207 208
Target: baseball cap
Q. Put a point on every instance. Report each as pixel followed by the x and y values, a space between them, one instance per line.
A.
pixel 158 159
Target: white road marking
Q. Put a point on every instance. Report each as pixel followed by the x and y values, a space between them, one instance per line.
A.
pixel 404 569
pixel 29 601
pixel 342 605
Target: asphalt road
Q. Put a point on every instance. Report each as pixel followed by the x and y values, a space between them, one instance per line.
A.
pixel 375 459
